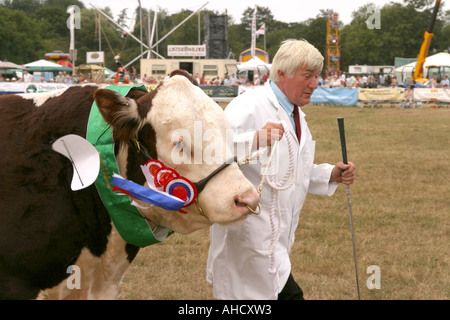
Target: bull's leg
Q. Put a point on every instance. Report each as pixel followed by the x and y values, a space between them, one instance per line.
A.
pixel 94 278
pixel 12 288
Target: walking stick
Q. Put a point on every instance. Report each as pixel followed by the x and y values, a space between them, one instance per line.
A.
pixel 349 199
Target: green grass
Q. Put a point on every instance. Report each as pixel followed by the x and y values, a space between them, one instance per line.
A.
pixel 401 216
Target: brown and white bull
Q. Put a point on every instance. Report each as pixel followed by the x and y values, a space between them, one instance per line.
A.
pixel 45 227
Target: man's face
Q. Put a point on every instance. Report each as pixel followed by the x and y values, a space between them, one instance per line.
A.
pixel 300 87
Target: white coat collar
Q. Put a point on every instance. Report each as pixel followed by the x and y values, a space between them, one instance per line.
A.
pixel 283 116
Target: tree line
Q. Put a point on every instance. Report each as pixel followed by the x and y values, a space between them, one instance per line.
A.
pixel 31 28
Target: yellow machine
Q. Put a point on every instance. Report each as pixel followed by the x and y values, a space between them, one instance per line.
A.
pixel 418 72
pixel 438 71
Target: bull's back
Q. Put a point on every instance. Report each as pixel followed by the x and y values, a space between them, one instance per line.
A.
pixel 29 124
pixel 43 223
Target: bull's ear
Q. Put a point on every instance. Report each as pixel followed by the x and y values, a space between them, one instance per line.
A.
pixel 119 111
pixel 184 73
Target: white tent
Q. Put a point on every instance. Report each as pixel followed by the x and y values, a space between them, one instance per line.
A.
pixel 254 63
pixel 439 59
pixel 45 66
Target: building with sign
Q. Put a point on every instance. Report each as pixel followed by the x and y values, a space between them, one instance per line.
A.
pixel 209 59
pixel 212 68
pixel 186 51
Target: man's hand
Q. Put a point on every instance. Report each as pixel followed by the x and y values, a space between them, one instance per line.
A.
pixel 343 173
pixel 268 134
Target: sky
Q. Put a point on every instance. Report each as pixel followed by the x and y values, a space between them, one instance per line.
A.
pixel 282 10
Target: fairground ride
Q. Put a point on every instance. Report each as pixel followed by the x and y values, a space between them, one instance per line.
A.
pixel 333 47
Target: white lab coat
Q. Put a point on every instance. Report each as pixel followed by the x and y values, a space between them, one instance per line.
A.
pixel 239 262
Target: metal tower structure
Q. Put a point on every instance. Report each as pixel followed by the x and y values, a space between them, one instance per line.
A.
pixel 333 47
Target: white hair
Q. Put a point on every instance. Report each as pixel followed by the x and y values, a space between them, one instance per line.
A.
pixel 293 54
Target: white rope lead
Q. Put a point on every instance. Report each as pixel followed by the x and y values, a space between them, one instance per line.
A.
pixel 276 186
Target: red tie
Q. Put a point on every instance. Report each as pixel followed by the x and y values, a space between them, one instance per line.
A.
pixel 298 130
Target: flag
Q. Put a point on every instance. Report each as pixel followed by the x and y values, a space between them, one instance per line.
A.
pixel 261 30
pixel 254 33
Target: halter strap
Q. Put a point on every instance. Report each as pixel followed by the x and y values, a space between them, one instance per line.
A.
pixel 200 185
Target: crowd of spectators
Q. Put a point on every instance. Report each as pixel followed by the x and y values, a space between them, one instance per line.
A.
pixel 336 80
pixel 341 80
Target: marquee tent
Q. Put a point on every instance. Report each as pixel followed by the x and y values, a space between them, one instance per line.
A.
pixel 45 66
pixel 439 59
pixel 254 63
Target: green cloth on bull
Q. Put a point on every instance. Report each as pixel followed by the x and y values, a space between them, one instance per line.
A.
pixel 127 219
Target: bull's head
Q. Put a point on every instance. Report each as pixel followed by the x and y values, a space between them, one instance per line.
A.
pixel 179 125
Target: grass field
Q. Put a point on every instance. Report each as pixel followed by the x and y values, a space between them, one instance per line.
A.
pixel 401 216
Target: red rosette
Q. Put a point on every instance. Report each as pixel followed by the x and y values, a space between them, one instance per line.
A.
pixel 164 176
pixel 154 166
pixel 183 189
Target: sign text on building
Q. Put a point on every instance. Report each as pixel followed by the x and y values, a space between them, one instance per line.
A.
pixel 186 51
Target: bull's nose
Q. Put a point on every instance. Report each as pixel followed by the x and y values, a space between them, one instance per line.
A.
pixel 248 201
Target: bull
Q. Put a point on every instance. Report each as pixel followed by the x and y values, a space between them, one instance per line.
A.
pixel 46 227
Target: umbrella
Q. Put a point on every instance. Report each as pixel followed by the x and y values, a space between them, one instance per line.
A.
pixel 6 65
pixel 46 66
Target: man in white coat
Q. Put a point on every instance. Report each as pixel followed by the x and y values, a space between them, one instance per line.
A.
pixel 250 260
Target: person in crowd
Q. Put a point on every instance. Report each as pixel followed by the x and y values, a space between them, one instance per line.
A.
pixel 117 60
pixel 233 79
pixel 445 82
pixel 203 81
pixel 121 78
pixel 68 79
pixel 256 81
pixel 226 80
pixel 409 97
pixel 335 82
pixel 197 79
pixel 27 77
pixel 138 79
pixel 343 79
pixel 60 77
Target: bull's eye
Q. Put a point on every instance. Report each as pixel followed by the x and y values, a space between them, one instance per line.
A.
pixel 178 144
